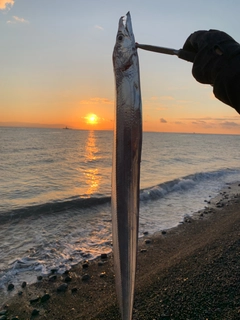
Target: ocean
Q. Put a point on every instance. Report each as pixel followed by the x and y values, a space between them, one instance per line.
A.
pixel 55 188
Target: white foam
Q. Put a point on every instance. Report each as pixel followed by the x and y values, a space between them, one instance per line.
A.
pixel 33 247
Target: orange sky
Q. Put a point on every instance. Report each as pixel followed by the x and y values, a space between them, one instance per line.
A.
pixel 98 113
pixel 56 64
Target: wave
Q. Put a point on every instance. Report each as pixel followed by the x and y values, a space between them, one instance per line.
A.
pixel 53 208
pixel 183 184
pixel 152 193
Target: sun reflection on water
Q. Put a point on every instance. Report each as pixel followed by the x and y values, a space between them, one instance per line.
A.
pixel 92 173
pixel 91 148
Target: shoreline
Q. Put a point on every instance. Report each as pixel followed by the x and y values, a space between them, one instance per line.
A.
pixel 172 264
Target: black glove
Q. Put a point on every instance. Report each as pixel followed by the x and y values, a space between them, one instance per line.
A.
pixel 216 61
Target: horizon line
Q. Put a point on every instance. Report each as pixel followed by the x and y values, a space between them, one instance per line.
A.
pixel 27 125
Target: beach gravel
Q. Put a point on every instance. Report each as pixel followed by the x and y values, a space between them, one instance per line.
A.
pixel 10 286
pixel 35 312
pixel 63 287
pixel 191 272
pixel 85 277
pixel 3 312
pixel 68 279
pixel 45 297
pixel 85 265
pixel 53 278
pixel 34 299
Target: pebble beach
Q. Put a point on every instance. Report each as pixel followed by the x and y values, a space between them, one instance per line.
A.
pixel 191 271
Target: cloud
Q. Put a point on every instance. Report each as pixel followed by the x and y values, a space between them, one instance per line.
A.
pixel 181 101
pixel 154 98
pixel 212 119
pixel 163 98
pixel 98 27
pixel 230 124
pixel 198 119
pixel 20 19
pixel 97 100
pixel 163 120
pixel 201 122
pixel 17 20
pixel 205 124
pixel 6 4
pixel 161 108
pixel 167 98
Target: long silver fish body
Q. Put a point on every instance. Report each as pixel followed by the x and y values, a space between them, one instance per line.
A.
pixel 126 165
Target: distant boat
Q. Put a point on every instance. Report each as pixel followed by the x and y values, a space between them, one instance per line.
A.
pixel 66 128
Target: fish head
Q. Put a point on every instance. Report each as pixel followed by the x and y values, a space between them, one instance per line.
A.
pixel 125 46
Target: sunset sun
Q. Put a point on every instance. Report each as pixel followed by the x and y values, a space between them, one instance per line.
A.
pixel 91 119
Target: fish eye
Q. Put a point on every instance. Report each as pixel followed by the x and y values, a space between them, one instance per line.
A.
pixel 120 37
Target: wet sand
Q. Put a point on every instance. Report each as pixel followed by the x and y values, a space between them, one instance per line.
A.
pixel 189 272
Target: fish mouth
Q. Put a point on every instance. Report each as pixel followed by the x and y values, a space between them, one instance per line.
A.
pixel 125 26
pixel 128 25
pixel 125 47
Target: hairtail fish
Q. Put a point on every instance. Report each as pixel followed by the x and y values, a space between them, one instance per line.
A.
pixel 126 164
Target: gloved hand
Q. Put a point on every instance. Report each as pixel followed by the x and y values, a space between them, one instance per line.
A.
pixel 216 61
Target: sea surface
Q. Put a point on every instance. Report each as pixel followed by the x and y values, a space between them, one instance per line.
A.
pixel 55 188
